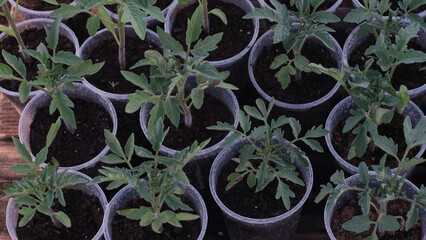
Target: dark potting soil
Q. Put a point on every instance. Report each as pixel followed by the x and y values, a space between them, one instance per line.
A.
pixel 42 5
pixel 351 209
pixel 312 86
pixel 324 6
pixel 394 130
pixel 72 149
pixel 236 35
pixel 212 111
pixel 109 78
pixel 405 74
pixel 162 4
pixel 123 228
pixel 86 216
pixel 243 200
pixel 32 38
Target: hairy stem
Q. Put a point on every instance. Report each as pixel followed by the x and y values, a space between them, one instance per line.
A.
pixel 122 39
pixel 18 37
pixel 206 23
pixel 382 214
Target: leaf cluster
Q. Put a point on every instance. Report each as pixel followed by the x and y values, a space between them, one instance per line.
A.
pixel 268 155
pixel 170 72
pixel 129 11
pixel 57 70
pixel 378 189
pixel 162 178
pixel 377 16
pixel 293 29
pixel 37 190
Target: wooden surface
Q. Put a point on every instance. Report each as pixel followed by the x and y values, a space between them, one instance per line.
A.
pixel 8 156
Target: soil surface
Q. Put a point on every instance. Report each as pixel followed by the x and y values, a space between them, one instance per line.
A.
pixel 32 38
pixel 109 78
pixel 394 130
pixel 395 208
pixel 209 114
pixel 312 86
pixel 405 74
pixel 39 5
pixel 236 35
pixel 324 6
pixel 123 228
pixel 243 200
pixel 85 212
pixel 72 149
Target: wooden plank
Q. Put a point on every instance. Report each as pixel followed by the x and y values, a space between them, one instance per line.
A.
pixel 9 118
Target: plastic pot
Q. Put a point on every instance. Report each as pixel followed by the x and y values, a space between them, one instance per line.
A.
pixel 229 63
pixel 303 111
pixel 88 46
pixel 38 23
pixel 150 21
pixel 12 215
pixel 333 8
pixel 43 99
pixel 357 4
pixel 203 160
pixel 408 188
pixel 353 41
pixel 342 110
pixel 25 13
pixel 127 194
pixel 239 227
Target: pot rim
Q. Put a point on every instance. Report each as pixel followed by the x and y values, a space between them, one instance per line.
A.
pixel 332 9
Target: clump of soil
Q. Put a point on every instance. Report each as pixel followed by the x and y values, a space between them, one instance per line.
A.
pixel 40 5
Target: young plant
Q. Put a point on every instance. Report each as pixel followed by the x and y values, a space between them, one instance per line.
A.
pixel 293 29
pixel 163 179
pixel 57 70
pixel 263 160
pixel 388 187
pixel 37 190
pixel 203 7
pixel 130 11
pixel 170 72
pixel 377 16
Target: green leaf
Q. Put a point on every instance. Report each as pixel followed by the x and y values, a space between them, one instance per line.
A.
pixel 52 35
pixel 360 142
pixel 357 224
pixel 338 178
pixel 220 14
pixel 203 47
pixel 363 173
pixel 357 15
pixel 24 91
pixel 186 216
pixel 53 131
pixel 197 96
pixel 5 71
pixel 324 192
pixel 264 176
pixel 279 61
pixel 194 29
pixel 114 144
pixel 173 111
pixel 107 21
pixel 284 192
pixel 251 180
pixel 135 16
pixel 93 24
pixel 295 127
pixel 66 11
pixel 283 75
pixel 15 63
pixel 41 156
pixel 389 223
pixel 168 42
pixel 413 216
pixel 21 169
pixel 313 144
pixel 7 30
pixel 138 80
pixel 156 135
pixel 387 145
pixel 253 112
pixel 28 214
pixel 63 218
pixel 22 150
pixel 112 159
pixel 365 201
pixel 231 139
